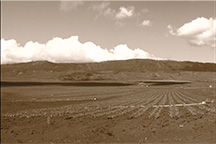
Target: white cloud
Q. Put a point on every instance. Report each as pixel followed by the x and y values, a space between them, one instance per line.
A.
pixel 68 50
pixel 69 5
pixel 146 23
pixel 103 9
pixel 125 12
pixel 170 28
pixel 199 32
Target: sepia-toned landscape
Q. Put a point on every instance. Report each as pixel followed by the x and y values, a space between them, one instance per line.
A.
pixel 109 72
pixel 44 102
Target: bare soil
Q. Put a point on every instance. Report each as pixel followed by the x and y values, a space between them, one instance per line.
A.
pixel 111 114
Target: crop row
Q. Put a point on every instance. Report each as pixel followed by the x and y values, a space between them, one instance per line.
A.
pixel 157 110
pixel 147 105
pixel 188 99
pixel 136 104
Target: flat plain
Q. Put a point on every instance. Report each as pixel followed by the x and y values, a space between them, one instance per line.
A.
pixel 108 114
pixel 58 103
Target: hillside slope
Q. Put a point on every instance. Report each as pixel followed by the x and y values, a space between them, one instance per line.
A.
pixel 110 70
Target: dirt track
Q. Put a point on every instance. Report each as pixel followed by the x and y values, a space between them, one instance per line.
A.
pixel 107 114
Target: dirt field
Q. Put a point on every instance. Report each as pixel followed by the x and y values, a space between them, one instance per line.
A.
pixel 108 114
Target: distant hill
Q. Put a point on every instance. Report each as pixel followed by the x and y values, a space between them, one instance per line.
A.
pixel 109 70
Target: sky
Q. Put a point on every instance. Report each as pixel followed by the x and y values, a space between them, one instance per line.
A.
pixel 95 31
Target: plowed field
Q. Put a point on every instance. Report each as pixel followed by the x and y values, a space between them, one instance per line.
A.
pixel 112 114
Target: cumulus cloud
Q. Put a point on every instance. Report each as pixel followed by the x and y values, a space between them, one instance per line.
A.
pixel 125 12
pixel 69 5
pixel 199 32
pixel 103 9
pixel 146 23
pixel 68 50
pixel 170 28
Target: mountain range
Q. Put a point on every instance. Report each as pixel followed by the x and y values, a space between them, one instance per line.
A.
pixel 132 69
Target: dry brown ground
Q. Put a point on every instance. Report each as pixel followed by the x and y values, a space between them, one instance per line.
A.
pixel 77 118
